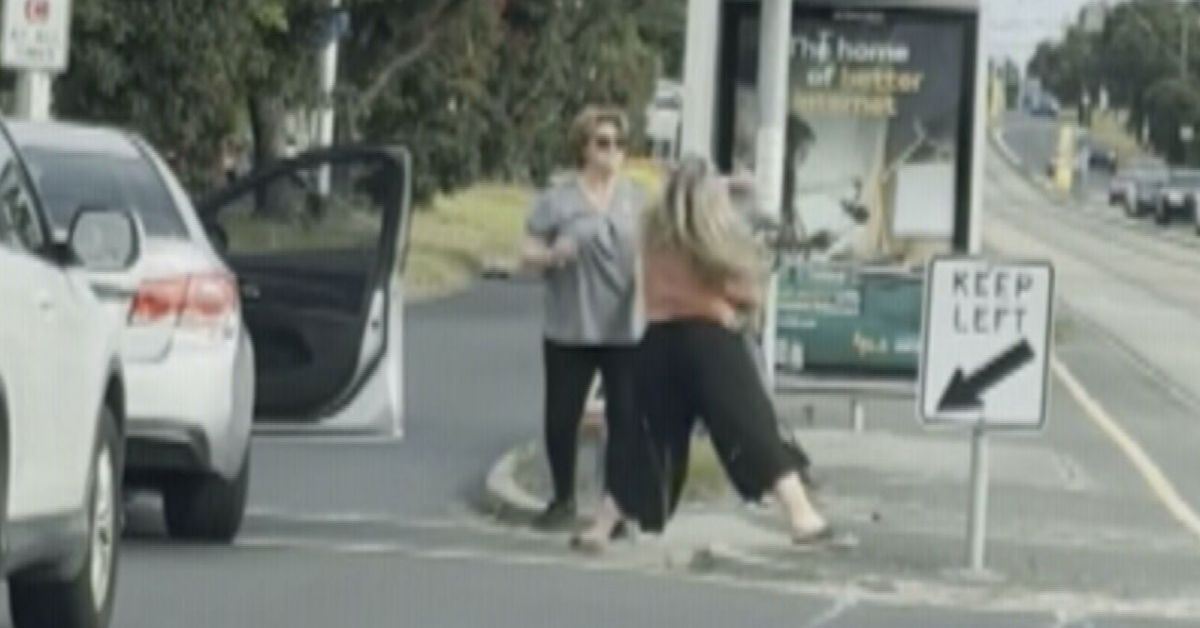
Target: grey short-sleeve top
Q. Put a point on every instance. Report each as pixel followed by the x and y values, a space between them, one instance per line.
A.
pixel 591 301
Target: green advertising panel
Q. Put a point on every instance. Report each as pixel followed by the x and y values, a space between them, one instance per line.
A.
pixel 876 172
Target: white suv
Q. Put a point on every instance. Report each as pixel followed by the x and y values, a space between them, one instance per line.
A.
pixel 61 405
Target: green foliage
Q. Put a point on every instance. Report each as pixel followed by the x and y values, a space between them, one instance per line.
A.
pixel 476 88
pixel 1138 58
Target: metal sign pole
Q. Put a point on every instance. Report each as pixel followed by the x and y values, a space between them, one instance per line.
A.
pixel 774 58
pixel 33 95
pixel 977 515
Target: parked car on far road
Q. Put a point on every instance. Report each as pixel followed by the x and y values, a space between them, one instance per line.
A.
pixel 1177 197
pixel 1135 187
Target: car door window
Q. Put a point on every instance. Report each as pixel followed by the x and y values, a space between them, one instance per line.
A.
pixel 314 243
pixel 20 223
pixel 323 208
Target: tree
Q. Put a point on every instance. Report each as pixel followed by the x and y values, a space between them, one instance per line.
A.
pixel 662 26
pixel 162 67
pixel 561 56
pixel 475 87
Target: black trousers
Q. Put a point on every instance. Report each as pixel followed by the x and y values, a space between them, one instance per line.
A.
pixel 692 370
pixel 569 372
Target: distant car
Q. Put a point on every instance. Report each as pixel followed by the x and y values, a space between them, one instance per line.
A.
pixel 1102 159
pixel 62 403
pixel 1177 197
pixel 1135 188
pixel 1045 108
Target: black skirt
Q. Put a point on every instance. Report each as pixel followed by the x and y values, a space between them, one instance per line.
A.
pixel 691 370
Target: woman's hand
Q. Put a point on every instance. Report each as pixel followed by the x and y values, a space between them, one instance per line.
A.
pixel 564 250
pixel 536 255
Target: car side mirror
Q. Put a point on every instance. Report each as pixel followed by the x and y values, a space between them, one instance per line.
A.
pixel 104 240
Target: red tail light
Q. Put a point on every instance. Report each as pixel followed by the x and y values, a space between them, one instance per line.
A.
pixel 186 301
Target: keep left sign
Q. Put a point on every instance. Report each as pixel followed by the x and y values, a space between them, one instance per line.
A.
pixel 988 334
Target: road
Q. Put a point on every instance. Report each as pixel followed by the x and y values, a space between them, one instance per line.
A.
pixel 365 536
pixel 1130 284
pixel 383 535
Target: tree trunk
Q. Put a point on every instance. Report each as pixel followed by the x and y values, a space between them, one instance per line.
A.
pixel 267 116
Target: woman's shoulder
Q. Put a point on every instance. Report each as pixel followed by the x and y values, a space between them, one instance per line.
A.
pixel 556 191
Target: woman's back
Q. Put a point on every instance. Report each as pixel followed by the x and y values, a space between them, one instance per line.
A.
pixel 675 290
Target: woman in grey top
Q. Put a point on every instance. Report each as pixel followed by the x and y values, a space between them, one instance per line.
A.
pixel 581 236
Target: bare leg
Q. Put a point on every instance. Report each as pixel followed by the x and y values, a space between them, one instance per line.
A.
pixel 803 519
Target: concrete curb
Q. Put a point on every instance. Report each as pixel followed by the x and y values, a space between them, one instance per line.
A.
pixel 502 494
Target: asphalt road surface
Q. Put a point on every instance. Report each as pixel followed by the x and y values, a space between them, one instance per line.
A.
pixel 385 535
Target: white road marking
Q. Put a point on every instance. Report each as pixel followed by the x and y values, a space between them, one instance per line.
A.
pixel 909 593
pixel 1159 484
pixel 834 612
pixel 358 518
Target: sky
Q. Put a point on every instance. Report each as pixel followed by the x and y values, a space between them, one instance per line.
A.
pixel 1014 27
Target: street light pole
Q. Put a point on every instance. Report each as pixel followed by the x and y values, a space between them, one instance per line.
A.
pixel 326 114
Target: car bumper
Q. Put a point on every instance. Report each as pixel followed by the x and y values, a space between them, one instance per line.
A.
pixel 191 410
pixel 166 445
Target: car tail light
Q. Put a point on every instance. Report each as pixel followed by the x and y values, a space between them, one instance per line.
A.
pixel 211 300
pixel 199 300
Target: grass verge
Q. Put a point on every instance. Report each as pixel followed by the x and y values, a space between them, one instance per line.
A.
pixel 453 238
pixel 1108 128
pixel 459 234
pixel 706 478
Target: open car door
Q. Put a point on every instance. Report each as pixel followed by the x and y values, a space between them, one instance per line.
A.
pixel 318 244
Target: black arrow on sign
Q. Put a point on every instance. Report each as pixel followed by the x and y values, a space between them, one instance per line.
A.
pixel 964 391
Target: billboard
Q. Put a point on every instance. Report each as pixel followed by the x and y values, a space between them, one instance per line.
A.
pixel 881 106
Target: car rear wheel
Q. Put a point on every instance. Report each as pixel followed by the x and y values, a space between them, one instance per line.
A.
pixel 84 600
pixel 207 508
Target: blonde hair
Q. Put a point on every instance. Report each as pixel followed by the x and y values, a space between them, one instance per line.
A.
pixel 584 127
pixel 695 217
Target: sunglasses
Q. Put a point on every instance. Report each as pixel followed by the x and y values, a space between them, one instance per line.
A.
pixel 608 142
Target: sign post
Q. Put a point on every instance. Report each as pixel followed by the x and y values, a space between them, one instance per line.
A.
pixel 35 43
pixel 988 333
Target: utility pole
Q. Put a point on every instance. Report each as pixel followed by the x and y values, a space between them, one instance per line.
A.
pixel 774 58
pixel 700 77
pixel 328 77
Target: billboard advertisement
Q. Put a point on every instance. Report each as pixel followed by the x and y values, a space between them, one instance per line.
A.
pixel 876 177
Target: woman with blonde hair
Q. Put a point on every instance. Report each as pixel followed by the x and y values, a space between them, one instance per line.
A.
pixel 581 235
pixel 702 277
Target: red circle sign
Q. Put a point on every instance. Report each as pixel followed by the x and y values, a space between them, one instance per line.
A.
pixel 37 11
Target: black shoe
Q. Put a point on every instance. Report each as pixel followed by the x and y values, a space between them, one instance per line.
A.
pixel 557 517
